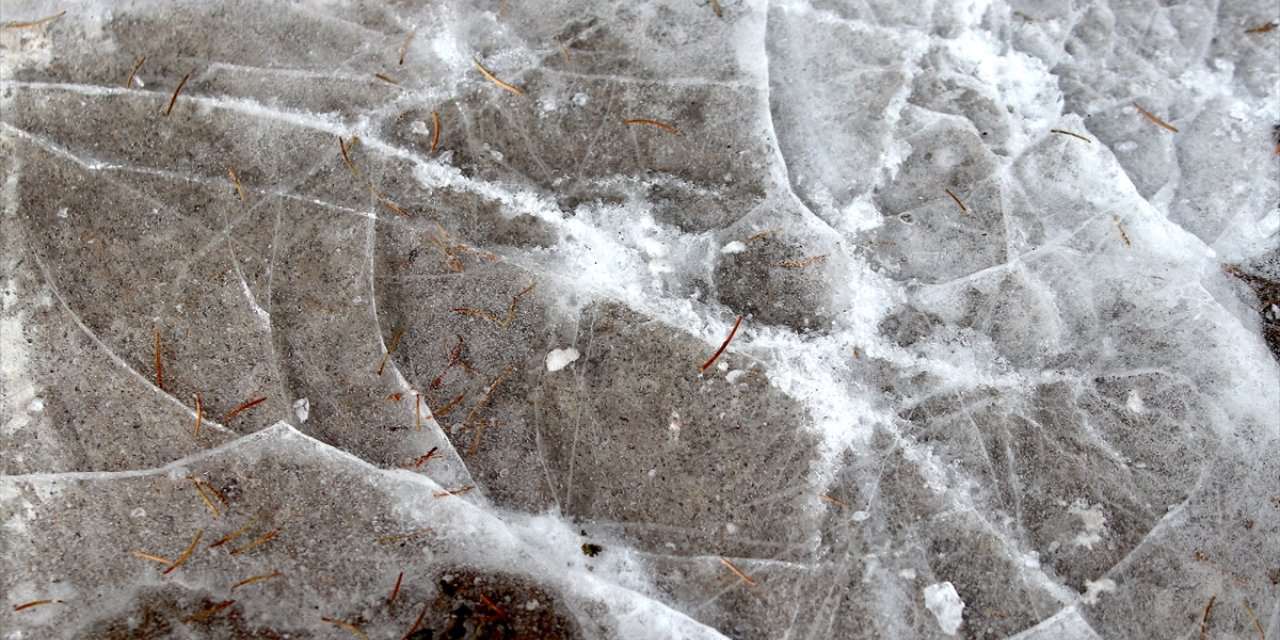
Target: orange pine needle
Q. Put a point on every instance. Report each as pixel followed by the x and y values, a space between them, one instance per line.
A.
pixel 236 179
pixel 395 340
pixel 386 79
pixel 34 23
pixel 207 613
pixel 248 405
pixel 348 626
pixel 37 603
pixel 1264 28
pixel 404 47
pixel 199 415
pixel 834 501
pixel 128 82
pixel 185 554
pixel 153 557
pixel 706 365
pixel 396 397
pixel 736 571
pixel 1073 135
pixel 249 581
pixel 159 364
pixel 963 209
pixel 416 623
pixel 203 496
pixel 182 83
pixel 396 590
pixel 448 407
pixel 435 131
pixel 256 543
pixel 403 536
pixel 489 603
pixel 387 203
pixel 1204 622
pixel 1151 116
pixel 345 148
pixel 494 79
pixel 651 123
pixel 453 492
pixel 233 535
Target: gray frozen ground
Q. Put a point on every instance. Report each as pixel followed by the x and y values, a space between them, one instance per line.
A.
pixel 1002 367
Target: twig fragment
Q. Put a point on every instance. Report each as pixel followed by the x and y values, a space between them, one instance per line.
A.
pixel 345 148
pixel 236 179
pixel 648 122
pixel 1151 116
pixel 494 79
pixel 395 340
pixel 207 613
pixel 348 626
pixel 36 603
pixel 963 209
pixel 736 571
pixel 453 492
pixel 153 557
pixel 1069 133
pixel 435 131
pixel 128 82
pixel 250 546
pixel 238 410
pixel 159 364
pixel 199 415
pixel 181 83
pixel 403 536
pixel 185 554
pixel 1263 28
pixel 801 263
pixel 34 23
pixel 248 581
pixel 706 365
pixel 1204 622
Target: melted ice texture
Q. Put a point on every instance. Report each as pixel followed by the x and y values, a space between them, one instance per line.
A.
pixel 991 378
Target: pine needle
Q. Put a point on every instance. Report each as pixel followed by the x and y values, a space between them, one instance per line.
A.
pixel 33 23
pixel 236 179
pixel 494 79
pixel 37 603
pixel 963 209
pixel 1124 235
pixel 435 131
pixel 199 415
pixel 128 82
pixel 395 340
pixel 348 626
pixel 834 501
pixel 404 46
pixel 1073 135
pixel 185 554
pixel 234 534
pixel 238 410
pixel 706 365
pixel 256 543
pixel 387 203
pixel 207 502
pixel 417 623
pixel 403 536
pixel 207 613
pixel 153 557
pixel 488 393
pixel 493 317
pixel 159 364
pixel 1150 116
pixel 182 83
pixel 344 148
pixel 249 581
pixel 396 590
pixel 651 123
pixel 1253 616
pixel 1204 622
pixel 1263 29
pixel 564 51
pixel 386 79
pixel 453 492
pixel 715 6
pixel 736 571
pixel 801 263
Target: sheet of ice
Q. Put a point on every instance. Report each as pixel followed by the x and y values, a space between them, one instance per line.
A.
pixel 1002 334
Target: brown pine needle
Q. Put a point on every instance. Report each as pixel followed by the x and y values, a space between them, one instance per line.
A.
pixel 417 410
pixel 128 82
pixel 396 590
pixel 386 79
pixel 153 557
pixel 159 364
pixel 348 626
pixel 403 536
pixel 493 317
pixel 448 407
pixel 564 51
pixel 489 603
pixel 651 123
pixel 199 415
pixel 453 492
pixel 249 581
pixel 1253 616
pixel 706 365
pixel 181 83
pixel 34 23
pixel 963 209
pixel 207 613
pixel 395 340
pixel 404 46
pixel 1073 135
pixel 233 535
pixel 238 410
pixel 344 148
pixel 417 464
pixel 834 501
pixel 1119 227
pixel 1204 622
pixel 387 203
pixel 435 131
pixel 1264 28
pixel 715 6
pixel 736 571
pixel 1150 116
pixel 802 263
pixel 419 622
pixel 185 554
pixel 256 543
pixel 203 496
pixel 37 603
pixel 494 79
pixel 236 179
pixel 488 393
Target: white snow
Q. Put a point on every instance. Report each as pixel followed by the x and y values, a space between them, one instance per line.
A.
pixel 558 359
pixel 942 600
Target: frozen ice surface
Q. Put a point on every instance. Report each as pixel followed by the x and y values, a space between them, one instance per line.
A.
pixel 1006 365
